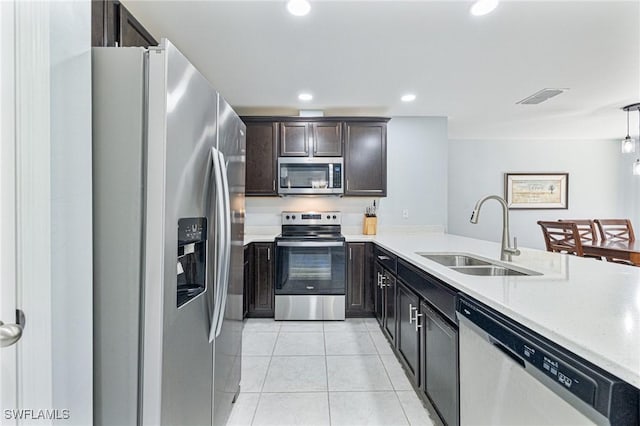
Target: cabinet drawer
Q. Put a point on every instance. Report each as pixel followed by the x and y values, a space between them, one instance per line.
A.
pixel 430 288
pixel 385 258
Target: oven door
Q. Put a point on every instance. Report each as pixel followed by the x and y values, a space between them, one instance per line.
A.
pixel 306 267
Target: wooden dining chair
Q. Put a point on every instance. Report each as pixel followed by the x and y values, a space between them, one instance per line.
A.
pixel 586 229
pixel 615 229
pixel 562 237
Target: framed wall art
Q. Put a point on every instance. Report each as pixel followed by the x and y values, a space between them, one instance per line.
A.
pixel 537 190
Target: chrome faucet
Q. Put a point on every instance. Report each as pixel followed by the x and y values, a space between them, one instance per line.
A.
pixel 506 252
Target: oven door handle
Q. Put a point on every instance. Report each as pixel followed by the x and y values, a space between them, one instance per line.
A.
pixel 310 244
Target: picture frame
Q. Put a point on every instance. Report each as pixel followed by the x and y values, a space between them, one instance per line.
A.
pixel 533 191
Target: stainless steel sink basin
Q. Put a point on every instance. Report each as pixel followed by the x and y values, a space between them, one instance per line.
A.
pixel 465 263
pixel 488 271
pixel 454 259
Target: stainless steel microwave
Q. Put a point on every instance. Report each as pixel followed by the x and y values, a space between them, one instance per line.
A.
pixel 310 176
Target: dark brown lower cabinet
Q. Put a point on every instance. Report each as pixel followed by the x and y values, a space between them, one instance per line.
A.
pixel 262 285
pixel 409 324
pixel 440 364
pixel 389 286
pixel 378 293
pixel 246 296
pixel 385 300
pixel 360 291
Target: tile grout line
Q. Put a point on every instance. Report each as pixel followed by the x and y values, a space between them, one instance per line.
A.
pixel 326 367
pixel 395 392
pixel 255 411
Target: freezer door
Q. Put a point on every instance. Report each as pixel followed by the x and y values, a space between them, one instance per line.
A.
pixel 178 356
pixel 228 330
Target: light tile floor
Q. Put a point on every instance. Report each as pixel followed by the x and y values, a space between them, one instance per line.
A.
pixel 323 373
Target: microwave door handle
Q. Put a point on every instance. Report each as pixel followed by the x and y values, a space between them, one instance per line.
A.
pixel 220 231
pixel 226 214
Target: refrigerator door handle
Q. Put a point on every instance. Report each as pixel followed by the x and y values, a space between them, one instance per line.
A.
pixel 226 265
pixel 220 238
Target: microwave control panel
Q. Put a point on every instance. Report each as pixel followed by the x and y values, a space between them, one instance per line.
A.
pixel 337 176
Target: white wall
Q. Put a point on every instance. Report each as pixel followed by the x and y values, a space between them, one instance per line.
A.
pixel 600 182
pixel 71 225
pixel 416 181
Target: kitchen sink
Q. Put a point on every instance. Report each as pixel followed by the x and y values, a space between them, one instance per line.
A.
pixel 487 271
pixel 472 265
pixel 454 259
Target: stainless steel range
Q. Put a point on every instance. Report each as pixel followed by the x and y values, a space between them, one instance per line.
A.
pixel 310 267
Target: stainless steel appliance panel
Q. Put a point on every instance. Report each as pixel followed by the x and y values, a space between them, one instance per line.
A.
pixel 118 122
pixel 183 107
pixel 309 307
pixel 333 307
pixel 310 176
pixel 228 343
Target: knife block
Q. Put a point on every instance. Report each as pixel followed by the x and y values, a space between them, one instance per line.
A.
pixel 369 225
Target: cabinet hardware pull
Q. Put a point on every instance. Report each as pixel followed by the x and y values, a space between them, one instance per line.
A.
pixel 418 325
pixel 410 313
pixel 378 279
pixel 274 184
pixel 384 258
pixel 350 256
pixel 347 184
pixel 269 253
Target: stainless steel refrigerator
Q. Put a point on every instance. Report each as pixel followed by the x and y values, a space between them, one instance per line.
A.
pixel 168 211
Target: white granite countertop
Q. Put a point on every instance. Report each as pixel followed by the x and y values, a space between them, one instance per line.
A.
pixel 589 307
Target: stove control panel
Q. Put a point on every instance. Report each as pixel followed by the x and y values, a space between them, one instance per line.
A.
pixel 311 218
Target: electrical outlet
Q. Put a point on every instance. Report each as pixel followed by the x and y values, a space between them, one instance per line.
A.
pixel 405 214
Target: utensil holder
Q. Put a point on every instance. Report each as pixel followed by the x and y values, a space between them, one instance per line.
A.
pixel 369 225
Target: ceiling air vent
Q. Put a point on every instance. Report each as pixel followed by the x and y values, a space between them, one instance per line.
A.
pixel 541 96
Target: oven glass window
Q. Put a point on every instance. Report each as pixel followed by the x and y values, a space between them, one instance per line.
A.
pixel 310 270
pixel 304 175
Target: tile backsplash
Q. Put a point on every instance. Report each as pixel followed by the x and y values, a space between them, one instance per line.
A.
pixel 266 211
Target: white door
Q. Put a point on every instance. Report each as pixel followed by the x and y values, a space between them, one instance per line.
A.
pixel 26 374
pixel 8 364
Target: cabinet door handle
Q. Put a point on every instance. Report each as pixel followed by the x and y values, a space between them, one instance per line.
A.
pixel 350 254
pixel 274 185
pixel 269 253
pixel 418 325
pixel 384 258
pixel 411 308
pixel 347 184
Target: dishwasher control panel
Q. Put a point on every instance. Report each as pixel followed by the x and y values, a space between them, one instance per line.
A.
pixel 524 351
pixel 603 397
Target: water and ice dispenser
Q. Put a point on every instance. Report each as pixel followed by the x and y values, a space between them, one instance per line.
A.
pixel 192 258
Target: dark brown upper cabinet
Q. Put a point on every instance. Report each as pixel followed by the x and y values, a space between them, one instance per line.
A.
pixel 294 139
pixel 327 139
pixel 113 25
pixel 262 158
pixel 365 162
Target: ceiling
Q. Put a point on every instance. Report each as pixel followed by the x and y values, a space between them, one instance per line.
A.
pixel 359 57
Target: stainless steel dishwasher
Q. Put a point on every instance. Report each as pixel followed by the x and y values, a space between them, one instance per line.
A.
pixel 509 375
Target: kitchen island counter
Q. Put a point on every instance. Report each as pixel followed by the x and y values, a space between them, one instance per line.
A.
pixel 589 307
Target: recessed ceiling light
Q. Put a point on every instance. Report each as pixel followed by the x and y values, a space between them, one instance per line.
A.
pixel 305 96
pixel 298 7
pixel 409 97
pixel 482 7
